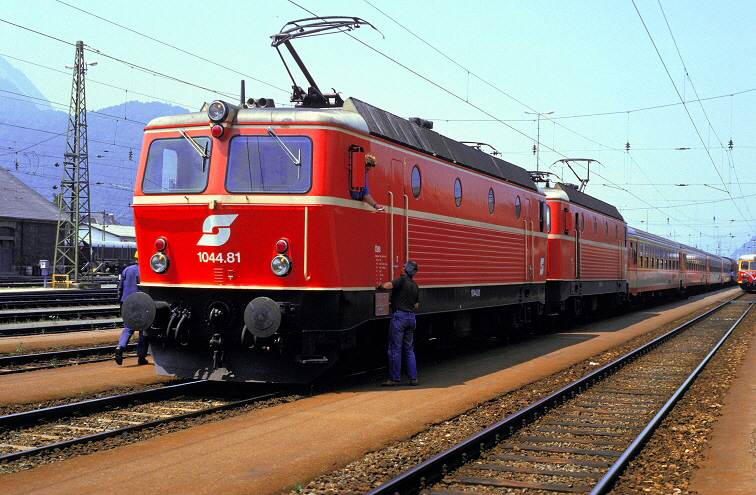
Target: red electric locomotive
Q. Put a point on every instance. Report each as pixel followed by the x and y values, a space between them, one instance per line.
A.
pixel 262 267
pixel 587 243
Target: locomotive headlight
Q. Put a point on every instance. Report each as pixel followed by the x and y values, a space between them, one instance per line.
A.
pixel 281 265
pixel 217 111
pixel 159 262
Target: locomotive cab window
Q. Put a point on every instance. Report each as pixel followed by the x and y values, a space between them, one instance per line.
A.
pixel 269 164
pixel 176 166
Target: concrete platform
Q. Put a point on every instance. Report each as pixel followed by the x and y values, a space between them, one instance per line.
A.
pixel 267 452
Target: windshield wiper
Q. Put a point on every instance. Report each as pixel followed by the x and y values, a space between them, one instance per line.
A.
pixel 197 147
pixel 296 160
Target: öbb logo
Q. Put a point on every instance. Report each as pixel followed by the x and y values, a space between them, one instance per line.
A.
pixel 216 230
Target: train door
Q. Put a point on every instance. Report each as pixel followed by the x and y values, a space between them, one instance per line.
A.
pixel 398 233
pixel 529 247
pixel 578 228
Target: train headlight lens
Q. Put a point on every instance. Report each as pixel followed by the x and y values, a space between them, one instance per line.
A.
pixel 281 265
pixel 159 262
pixel 217 111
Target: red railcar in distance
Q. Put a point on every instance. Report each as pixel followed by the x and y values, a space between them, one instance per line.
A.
pixel 747 272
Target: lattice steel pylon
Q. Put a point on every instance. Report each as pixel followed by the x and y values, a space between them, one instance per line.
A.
pixel 74 209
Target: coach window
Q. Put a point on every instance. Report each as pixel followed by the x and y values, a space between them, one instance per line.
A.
pixel 177 165
pixel 458 192
pixel 518 207
pixel 415 181
pixel 269 164
pixel 491 201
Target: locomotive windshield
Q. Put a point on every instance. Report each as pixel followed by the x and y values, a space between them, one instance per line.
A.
pixel 260 164
pixel 176 166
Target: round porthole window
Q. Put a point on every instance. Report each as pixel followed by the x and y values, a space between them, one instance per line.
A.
pixel 415 181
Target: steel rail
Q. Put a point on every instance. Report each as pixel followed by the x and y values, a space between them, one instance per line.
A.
pixel 604 485
pixel 26 418
pixel 21 359
pixel 433 469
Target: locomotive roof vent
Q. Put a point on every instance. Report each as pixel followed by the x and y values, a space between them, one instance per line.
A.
pixel 428 124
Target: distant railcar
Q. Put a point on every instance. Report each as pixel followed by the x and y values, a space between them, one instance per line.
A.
pixel 747 272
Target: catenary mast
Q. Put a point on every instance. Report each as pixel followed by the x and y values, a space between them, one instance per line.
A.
pixel 74 225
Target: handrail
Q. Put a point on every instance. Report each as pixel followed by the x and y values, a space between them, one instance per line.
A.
pixel 391 236
pixel 306 242
pixel 406 228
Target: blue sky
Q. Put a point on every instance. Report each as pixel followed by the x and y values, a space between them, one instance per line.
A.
pixel 612 72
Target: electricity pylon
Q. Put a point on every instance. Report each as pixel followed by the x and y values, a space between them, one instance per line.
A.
pixel 73 201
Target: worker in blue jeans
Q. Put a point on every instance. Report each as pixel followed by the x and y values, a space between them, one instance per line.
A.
pixel 127 285
pixel 404 302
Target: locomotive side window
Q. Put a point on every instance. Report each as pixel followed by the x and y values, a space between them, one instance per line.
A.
pixel 518 207
pixel 415 182
pixel 264 164
pixel 491 201
pixel 175 166
pixel 457 192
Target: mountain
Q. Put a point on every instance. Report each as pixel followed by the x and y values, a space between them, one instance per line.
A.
pixel 33 142
pixel 15 84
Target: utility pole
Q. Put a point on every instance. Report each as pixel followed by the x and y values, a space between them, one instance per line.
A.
pixel 74 210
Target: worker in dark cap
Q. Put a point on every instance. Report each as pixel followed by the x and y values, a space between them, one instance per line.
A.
pixel 404 294
pixel 127 285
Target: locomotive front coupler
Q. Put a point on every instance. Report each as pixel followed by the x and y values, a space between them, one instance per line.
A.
pixel 217 317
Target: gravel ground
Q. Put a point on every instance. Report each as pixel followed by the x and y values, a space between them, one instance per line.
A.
pixel 663 467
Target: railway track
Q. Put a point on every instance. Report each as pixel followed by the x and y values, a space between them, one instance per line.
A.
pixel 56 359
pixel 32 433
pixel 40 312
pixel 579 439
